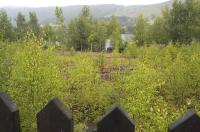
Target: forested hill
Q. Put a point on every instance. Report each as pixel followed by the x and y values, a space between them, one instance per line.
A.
pixel 46 14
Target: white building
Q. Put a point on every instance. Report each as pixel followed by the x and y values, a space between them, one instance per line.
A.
pixel 108 44
pixel 124 38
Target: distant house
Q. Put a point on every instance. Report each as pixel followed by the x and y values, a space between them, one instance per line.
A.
pixel 125 38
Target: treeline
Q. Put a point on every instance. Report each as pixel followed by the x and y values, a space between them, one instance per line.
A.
pixel 82 33
pixel 180 23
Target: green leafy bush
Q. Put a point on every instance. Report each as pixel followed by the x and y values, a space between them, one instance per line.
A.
pixel 34 79
pixel 182 76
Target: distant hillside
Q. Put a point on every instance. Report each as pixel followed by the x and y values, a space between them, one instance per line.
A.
pixel 46 14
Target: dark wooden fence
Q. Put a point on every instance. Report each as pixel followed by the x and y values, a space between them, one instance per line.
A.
pixel 55 118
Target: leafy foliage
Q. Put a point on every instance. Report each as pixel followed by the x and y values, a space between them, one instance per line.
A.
pixel 21 24
pixel 178 24
pixel 33 25
pixel 6 30
pixel 34 80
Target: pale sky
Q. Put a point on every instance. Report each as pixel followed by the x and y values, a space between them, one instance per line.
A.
pixel 45 3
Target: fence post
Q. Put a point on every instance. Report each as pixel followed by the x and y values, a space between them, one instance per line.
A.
pixel 116 120
pixel 54 118
pixel 9 115
pixel 189 122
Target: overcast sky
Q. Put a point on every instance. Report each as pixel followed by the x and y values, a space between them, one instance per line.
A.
pixel 45 3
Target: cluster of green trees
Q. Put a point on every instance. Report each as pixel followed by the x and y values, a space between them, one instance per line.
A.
pixel 179 23
pixel 10 33
pixel 82 33
pixel 87 33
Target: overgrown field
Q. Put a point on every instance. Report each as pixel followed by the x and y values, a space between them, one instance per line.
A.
pixel 154 84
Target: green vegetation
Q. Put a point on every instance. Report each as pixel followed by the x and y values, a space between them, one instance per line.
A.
pixel 155 85
pixel 155 78
pixel 178 24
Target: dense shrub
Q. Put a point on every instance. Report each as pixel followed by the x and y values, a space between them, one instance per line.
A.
pixel 88 95
pixel 35 78
pixel 182 75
